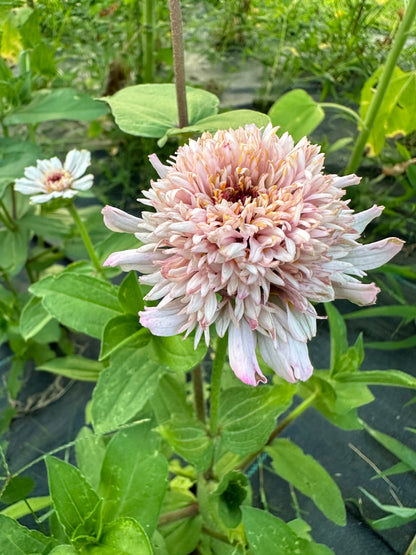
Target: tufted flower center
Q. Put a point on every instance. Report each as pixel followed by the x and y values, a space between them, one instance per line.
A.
pixel 58 180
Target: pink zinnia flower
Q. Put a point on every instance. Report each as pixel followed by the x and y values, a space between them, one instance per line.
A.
pixel 247 233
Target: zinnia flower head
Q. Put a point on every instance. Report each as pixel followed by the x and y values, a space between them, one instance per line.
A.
pixel 50 179
pixel 247 233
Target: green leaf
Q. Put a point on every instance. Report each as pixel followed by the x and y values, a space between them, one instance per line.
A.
pixel 123 388
pixel 231 492
pixel 16 488
pixel 124 536
pixel 269 534
pixel 399 515
pixel 338 331
pixel 402 452
pixel 64 550
pixel 42 60
pixel 119 331
pixel 55 104
pixel 395 115
pixel 77 505
pixel 150 110
pixel 248 416
pixel 177 352
pixel 134 477
pixel 379 377
pixel 189 438
pixel 19 509
pixel 399 311
pixel 170 398
pixel 33 318
pixel 130 295
pixel 309 477
pixel 297 113
pixel 81 302
pixel 15 156
pixel 55 225
pixel 90 451
pixel 226 120
pixel 75 367
pixel 18 540
pixel 14 246
pixel 407 343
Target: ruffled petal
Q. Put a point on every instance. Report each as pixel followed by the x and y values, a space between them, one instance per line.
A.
pixel 163 322
pixel 131 259
pixel 77 161
pixel 242 354
pixel 118 220
pixel 346 287
pixel 161 169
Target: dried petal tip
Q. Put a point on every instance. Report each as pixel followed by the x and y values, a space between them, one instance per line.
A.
pixel 246 233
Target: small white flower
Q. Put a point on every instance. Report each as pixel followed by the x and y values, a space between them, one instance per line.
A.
pixel 49 179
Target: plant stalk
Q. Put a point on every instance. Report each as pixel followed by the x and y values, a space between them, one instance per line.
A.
pixel 216 383
pixel 6 218
pixel 178 60
pixel 86 238
pixel 383 84
pixel 279 428
pixel 198 385
pixel 184 512
pixel 149 9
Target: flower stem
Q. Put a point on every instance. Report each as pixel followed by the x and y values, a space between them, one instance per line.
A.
pixel 341 108
pixel 179 514
pixel 383 84
pixel 6 218
pixel 216 383
pixel 178 60
pixel 198 385
pixel 149 9
pixel 85 237
pixel 279 428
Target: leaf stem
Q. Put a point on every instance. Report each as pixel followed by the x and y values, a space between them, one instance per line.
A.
pixel 179 514
pixel 342 108
pixel 279 428
pixel 216 383
pixel 198 385
pixel 178 60
pixel 6 218
pixel 383 84
pixel 85 237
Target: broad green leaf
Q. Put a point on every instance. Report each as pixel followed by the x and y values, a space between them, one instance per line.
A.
pixel 130 295
pixel 81 302
pixel 231 493
pixel 150 110
pixel 177 352
pixel 269 534
pixel 42 60
pixel 55 225
pixel 55 104
pixel 309 477
pixel 395 311
pixel 119 331
pixel 134 477
pixel 21 508
pixel 189 438
pixel 297 113
pixel 338 334
pixel 395 115
pixel 124 536
pixel 379 377
pixel 14 246
pixel 33 318
pixel 402 452
pixel 248 415
pixel 123 388
pixel 225 120
pixel 115 242
pixel 90 451
pixel 64 550
pixel 18 540
pixel 16 488
pixel 75 367
pixel 77 505
pixel 15 156
pixel 170 398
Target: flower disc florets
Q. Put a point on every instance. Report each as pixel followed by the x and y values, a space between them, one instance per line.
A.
pixel 247 233
pixel 50 179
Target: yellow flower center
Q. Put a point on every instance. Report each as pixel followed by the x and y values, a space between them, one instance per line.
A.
pixel 58 180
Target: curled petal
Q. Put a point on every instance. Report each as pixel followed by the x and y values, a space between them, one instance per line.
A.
pixel 242 354
pixel 359 293
pixel 84 183
pixel 118 220
pixel 368 257
pixel 162 322
pixel 77 161
pixel 133 260
pixel 161 169
pixel 362 219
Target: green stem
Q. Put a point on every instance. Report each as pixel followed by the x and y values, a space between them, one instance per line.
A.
pixel 149 10
pixel 179 514
pixel 178 60
pixel 216 383
pixel 198 385
pixel 85 237
pixel 6 218
pixel 283 424
pixel 383 84
pixel 342 108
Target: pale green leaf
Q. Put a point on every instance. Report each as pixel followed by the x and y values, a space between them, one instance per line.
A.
pixel 74 367
pixel 379 377
pixel 18 540
pixel 90 451
pixel 121 330
pixel 124 536
pixel 33 318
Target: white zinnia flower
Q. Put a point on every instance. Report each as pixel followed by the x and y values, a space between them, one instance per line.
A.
pixel 246 233
pixel 49 179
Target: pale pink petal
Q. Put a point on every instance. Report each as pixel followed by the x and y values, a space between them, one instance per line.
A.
pixel 362 219
pixel 273 354
pixel 242 354
pixel 133 260
pixel 162 322
pixel 368 257
pixel 118 220
pixel 161 169
pixel 355 291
